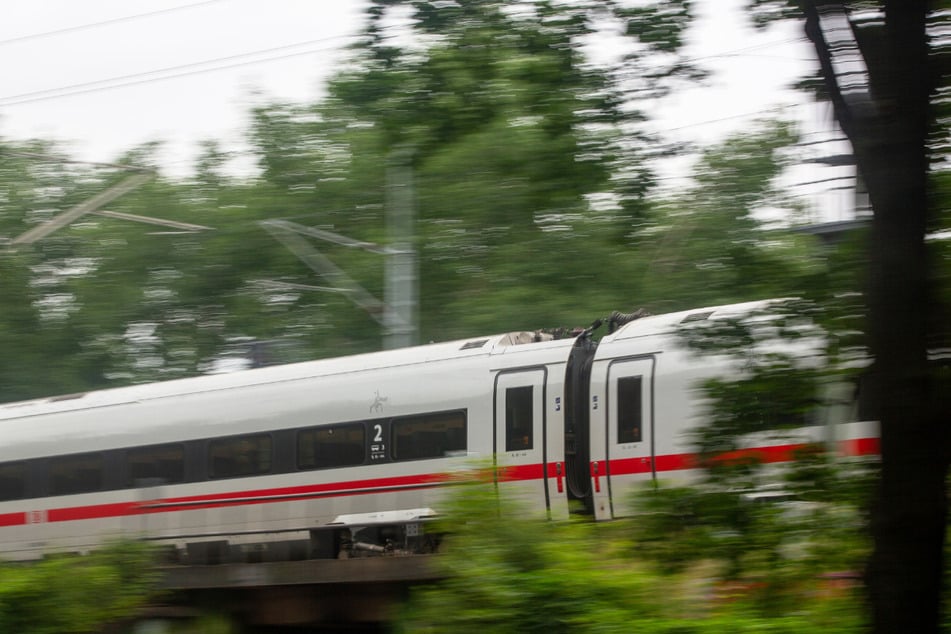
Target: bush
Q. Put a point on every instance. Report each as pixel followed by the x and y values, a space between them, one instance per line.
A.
pixel 509 574
pixel 72 593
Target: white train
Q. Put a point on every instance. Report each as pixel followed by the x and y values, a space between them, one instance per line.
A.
pixel 272 455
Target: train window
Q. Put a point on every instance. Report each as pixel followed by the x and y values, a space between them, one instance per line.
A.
pixel 240 456
pixel 12 481
pixel 80 473
pixel 161 464
pixel 331 446
pixel 629 414
pixel 518 418
pixel 429 435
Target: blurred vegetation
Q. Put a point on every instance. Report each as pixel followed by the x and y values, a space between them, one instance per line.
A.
pixel 76 594
pixel 791 373
pixel 747 546
pixel 536 206
pixel 509 573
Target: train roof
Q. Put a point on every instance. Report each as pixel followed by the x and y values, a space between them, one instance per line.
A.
pixel 667 323
pixel 428 353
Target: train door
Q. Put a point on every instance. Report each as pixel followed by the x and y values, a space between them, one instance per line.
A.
pixel 629 429
pixel 520 436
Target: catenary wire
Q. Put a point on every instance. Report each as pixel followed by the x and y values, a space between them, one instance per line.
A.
pixel 170 72
pixel 93 25
pixel 183 70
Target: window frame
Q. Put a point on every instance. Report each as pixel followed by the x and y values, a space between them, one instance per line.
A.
pixel 627 433
pixel 131 452
pixel 62 463
pixel 24 477
pixel 436 418
pixel 257 471
pixel 298 437
pixel 515 413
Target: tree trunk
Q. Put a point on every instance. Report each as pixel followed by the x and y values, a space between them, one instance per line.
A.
pixel 888 127
pixel 909 508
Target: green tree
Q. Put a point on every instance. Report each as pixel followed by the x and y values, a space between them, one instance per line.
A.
pixel 788 391
pixel 532 181
pixel 709 244
pixel 889 103
pixel 76 594
pixel 505 572
pixel 42 349
pixel 524 152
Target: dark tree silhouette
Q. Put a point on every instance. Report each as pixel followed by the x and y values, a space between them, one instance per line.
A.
pixel 882 70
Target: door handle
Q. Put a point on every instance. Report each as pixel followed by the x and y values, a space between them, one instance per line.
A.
pixel 597 478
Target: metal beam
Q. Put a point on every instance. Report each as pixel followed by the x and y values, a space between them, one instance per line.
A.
pixel 398 313
pixel 293 286
pixel 287 235
pixel 185 226
pixel 74 213
pixel 328 236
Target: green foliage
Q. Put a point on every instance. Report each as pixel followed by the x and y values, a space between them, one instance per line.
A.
pixel 205 624
pixel 68 593
pixel 511 575
pixel 534 209
pixel 660 25
pixel 511 131
pixel 753 534
pixel 776 527
pixel 778 361
pixel 506 573
pixel 708 244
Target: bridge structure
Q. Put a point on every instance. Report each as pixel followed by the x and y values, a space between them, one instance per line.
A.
pixel 351 576
pixel 318 595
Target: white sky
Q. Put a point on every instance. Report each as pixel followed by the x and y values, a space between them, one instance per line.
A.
pixel 284 50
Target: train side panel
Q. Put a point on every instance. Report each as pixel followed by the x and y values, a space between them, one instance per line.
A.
pixel 271 454
pixel 417 423
pixel 647 398
pixel 529 437
pixel 399 410
pixel 644 402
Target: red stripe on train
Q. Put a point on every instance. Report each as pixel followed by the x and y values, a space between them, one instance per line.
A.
pixel 514 473
pixel 218 500
pixel 314 489
pixel 860 447
pixel 92 512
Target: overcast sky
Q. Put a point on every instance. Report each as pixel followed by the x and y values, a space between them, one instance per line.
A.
pixel 106 75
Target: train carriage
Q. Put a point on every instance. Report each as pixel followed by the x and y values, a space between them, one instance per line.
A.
pixel 274 455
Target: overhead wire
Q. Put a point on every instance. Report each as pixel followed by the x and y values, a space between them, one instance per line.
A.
pixel 269 55
pixel 772 109
pixel 62 159
pixel 737 51
pixel 192 68
pixel 169 72
pixel 92 25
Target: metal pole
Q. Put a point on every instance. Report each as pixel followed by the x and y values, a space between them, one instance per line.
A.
pixel 400 317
